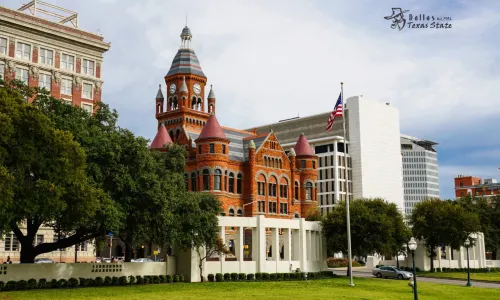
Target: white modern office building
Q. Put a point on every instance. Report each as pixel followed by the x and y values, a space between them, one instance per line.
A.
pixel 374 163
pixel 420 171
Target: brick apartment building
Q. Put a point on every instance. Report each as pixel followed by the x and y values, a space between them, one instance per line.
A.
pixel 475 186
pixel 63 59
pixel 251 174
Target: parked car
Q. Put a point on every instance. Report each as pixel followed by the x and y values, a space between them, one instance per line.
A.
pixel 143 260
pixel 391 272
pixel 106 260
pixel 44 261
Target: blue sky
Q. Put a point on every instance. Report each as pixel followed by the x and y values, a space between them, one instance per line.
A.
pixel 269 60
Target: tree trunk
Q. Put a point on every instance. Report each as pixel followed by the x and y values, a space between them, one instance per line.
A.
pixel 128 252
pixel 432 259
pixel 201 270
pixel 28 252
pixel 348 269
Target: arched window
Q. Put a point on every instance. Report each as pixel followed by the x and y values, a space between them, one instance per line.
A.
pixel 177 133
pixel 238 183
pixel 283 188
pixel 272 162
pixel 231 182
pixel 272 186
pixel 231 212
pixel 261 186
pixel 171 133
pixel 186 180
pixel 193 103
pixel 309 188
pixel 296 191
pixel 194 187
pixel 217 180
pixel 206 178
pixel 281 164
pixel 239 213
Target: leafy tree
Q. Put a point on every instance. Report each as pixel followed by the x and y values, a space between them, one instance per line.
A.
pixel 46 170
pixel 488 210
pixel 143 184
pixel 313 214
pixel 198 226
pixel 438 222
pixel 376 227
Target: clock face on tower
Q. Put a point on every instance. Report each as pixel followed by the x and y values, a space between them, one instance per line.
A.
pixel 172 88
pixel 196 89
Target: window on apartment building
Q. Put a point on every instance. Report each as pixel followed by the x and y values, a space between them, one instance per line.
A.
pixel 212 148
pixel 3 46
pixel 239 180
pixel 320 199
pixel 303 164
pixel 283 191
pixel 87 107
pixel 206 180
pixel 320 159
pixel 67 62
pixel 46 56
pixel 260 188
pixel 194 187
pixel 272 189
pixel 87 67
pixel 217 179
pixel 8 242
pixel 87 91
pixel 23 51
pixel 15 243
pixel 82 247
pixel 44 81
pixel 66 86
pixel 283 208
pixel 309 188
pixel 262 206
pixel 2 70
pixel 22 74
pixel 272 207
pixel 39 239
pixel 231 182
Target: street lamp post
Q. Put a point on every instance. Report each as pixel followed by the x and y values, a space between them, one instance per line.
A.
pixel 412 245
pixel 467 244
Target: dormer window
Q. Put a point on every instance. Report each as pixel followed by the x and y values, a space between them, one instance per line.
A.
pixel 223 149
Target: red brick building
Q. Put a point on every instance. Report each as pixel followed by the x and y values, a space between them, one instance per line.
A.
pixel 251 174
pixel 58 56
pixel 475 186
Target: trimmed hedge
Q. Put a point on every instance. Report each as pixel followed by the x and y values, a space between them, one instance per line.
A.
pixel 333 262
pixel 98 281
pixel 274 276
pixel 211 277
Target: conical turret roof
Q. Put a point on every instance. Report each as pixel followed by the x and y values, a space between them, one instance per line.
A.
pixel 161 139
pixel 302 146
pixel 212 129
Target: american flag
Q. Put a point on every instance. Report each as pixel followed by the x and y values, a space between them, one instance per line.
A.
pixel 337 111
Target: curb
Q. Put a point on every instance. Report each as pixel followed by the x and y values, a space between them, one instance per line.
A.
pixel 458 279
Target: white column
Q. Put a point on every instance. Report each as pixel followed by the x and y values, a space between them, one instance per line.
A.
pixel 223 237
pixel 296 246
pixel 239 246
pixel 276 247
pixel 310 249
pixel 448 254
pixel 303 246
pixel 287 244
pixel 261 229
pixel 439 256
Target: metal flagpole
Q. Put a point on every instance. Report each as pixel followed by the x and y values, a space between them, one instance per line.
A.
pixel 351 283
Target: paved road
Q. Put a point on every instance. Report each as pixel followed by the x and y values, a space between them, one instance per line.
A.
pixel 368 274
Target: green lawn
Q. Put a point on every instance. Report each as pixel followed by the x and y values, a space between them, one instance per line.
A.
pixel 318 289
pixel 494 277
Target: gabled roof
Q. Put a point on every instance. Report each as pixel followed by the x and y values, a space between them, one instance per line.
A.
pixel 161 139
pixel 302 146
pixel 212 129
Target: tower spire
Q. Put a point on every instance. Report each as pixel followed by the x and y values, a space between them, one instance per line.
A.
pixel 186 37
